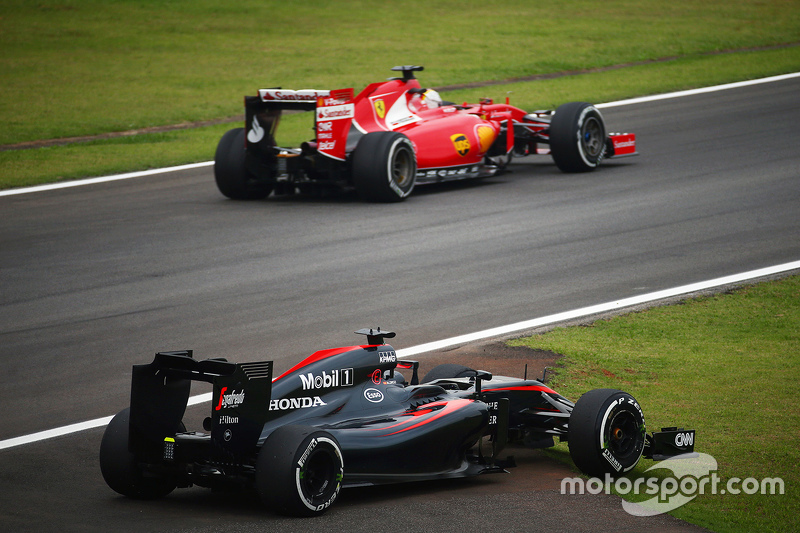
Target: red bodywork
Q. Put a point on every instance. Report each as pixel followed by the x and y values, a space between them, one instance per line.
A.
pixel 443 137
pixel 450 140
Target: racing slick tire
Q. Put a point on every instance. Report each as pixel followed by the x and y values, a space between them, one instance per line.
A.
pixel 384 167
pixel 299 471
pixel 607 433
pixel 230 172
pixel 448 370
pixel 577 137
pixel 119 466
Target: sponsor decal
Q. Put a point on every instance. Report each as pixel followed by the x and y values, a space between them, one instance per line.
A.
pixel 336 378
pixel 304 95
pixel 256 132
pixel 285 404
pixel 380 108
pixel 336 112
pixel 460 143
pixel 376 376
pixel 486 136
pixel 326 145
pixel 324 126
pixel 226 401
pixel 227 435
pixel 336 97
pixel 328 503
pixel 461 172
pixel 624 143
pixel 612 460
pixel 324 102
pixel 373 395
pixel 311 445
pixel 684 439
pixel 403 121
pixel 225 419
pixel 388 357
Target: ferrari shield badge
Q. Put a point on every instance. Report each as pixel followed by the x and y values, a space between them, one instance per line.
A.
pixel 380 109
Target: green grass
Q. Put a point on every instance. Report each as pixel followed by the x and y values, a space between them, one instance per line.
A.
pixel 144 151
pixel 87 67
pixel 78 67
pixel 727 366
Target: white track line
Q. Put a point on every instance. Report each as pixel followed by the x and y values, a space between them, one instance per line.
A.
pixel 597 309
pixel 471 337
pixel 702 90
pixel 666 96
pixel 104 179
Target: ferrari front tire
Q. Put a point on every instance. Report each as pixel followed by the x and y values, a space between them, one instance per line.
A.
pixel 606 433
pixel 299 471
pixel 384 167
pixel 230 172
pixel 577 137
pixel 120 468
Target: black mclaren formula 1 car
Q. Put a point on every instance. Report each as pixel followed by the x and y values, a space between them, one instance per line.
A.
pixel 349 417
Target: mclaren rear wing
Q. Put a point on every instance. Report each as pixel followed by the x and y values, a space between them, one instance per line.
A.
pixel 160 393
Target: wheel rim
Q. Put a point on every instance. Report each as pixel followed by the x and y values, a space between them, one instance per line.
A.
pixel 401 168
pixel 623 435
pixel 318 476
pixel 592 137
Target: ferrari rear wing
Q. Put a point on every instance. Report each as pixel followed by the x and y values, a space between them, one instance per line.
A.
pixel 304 99
pixel 263 112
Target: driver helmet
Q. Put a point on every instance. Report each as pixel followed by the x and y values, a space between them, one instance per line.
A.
pixel 431 98
pixel 427 99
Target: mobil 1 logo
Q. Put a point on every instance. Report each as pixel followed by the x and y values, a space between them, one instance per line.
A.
pixel 342 377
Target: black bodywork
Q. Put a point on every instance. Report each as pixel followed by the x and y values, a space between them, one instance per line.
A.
pixel 390 428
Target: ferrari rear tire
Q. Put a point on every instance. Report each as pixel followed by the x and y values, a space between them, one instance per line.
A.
pixel 230 172
pixel 607 433
pixel 299 471
pixel 384 167
pixel 577 137
pixel 120 468
pixel 448 370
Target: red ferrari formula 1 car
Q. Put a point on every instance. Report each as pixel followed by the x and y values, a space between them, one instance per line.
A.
pixel 347 417
pixel 395 135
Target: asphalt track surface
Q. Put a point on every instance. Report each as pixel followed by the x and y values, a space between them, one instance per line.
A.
pixel 94 279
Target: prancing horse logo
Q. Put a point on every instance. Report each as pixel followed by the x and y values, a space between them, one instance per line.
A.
pixel 380 109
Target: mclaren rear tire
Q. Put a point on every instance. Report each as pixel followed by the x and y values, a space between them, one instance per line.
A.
pixel 120 468
pixel 230 171
pixel 577 137
pixel 607 433
pixel 299 471
pixel 384 167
